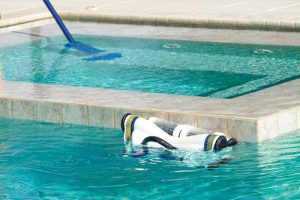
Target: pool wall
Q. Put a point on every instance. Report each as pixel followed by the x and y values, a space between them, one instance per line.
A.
pixel 250 118
pixel 254 117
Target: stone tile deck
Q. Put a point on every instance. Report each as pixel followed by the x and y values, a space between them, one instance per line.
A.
pixel 239 14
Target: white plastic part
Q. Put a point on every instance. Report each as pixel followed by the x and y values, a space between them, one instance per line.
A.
pixel 143 129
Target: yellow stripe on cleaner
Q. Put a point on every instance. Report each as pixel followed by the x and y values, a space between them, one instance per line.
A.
pixel 128 126
pixel 210 142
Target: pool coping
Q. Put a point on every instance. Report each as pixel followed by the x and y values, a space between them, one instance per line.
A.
pixel 251 118
pixel 220 23
pixel 205 22
pixel 254 117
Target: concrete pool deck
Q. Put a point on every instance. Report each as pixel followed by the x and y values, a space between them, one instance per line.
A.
pixel 282 15
pixel 254 117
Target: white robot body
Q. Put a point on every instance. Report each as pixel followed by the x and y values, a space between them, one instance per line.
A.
pixel 154 132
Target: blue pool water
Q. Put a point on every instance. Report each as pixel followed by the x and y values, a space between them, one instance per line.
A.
pixel 52 161
pixel 152 65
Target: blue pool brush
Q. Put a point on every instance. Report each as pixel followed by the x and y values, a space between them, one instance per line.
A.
pixel 77 45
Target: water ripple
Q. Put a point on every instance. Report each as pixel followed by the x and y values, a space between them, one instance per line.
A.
pixel 40 160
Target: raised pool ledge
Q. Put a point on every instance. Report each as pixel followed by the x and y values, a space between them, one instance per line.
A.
pixel 255 117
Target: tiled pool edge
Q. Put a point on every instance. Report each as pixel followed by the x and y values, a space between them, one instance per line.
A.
pixel 215 23
pixel 184 22
pixel 110 117
pixel 76 111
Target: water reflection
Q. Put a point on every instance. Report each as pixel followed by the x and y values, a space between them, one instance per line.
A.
pixel 195 159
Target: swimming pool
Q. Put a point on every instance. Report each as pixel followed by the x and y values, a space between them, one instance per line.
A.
pixel 154 65
pixel 58 161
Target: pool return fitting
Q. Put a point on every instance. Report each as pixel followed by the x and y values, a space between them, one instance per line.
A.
pixel 156 132
pixel 99 54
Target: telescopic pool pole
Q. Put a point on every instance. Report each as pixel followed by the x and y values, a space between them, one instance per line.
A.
pixel 59 21
pixel 78 45
pixel 72 42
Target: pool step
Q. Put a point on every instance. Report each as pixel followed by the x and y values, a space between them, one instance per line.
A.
pixel 251 118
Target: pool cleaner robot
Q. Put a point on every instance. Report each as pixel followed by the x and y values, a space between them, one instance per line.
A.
pixel 155 132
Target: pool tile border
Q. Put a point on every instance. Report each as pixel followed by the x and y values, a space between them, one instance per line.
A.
pixel 101 116
pixel 21 109
pixel 49 112
pixel 252 125
pixel 75 114
pixel 268 127
pixel 5 108
pixel 287 120
pixel 243 130
pixel 184 22
pixel 213 123
pixel 216 23
pixel 298 117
